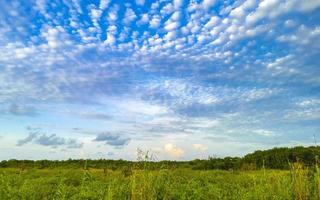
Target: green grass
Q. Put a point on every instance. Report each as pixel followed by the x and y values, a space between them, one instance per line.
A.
pixel 158 184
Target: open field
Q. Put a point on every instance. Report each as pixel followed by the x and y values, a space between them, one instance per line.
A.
pixel 159 99
pixel 178 183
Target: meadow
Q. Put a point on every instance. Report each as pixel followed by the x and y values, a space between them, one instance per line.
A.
pixel 279 174
pixel 176 183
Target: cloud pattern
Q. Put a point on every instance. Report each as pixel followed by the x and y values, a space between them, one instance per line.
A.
pixel 225 72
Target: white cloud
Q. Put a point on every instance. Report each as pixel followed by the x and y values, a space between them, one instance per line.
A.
pixel 140 2
pixel 264 132
pixel 170 26
pixel 41 5
pixel 290 23
pixel 155 21
pixel 237 12
pixel 110 40
pixel 308 5
pixel 113 14
pixel 242 10
pixel 309 102
pixel 21 53
pixel 175 16
pixel 302 114
pixel 143 19
pixel 256 94
pixel 167 9
pixel 129 16
pixel 263 10
pixel 203 123
pixel 104 4
pixel 286 65
pixel 177 3
pixel 274 8
pixel 200 147
pixel 306 109
pixel 53 35
pixel 208 3
pixel 212 22
pixel 95 15
pixel 186 93
pixel 138 107
pixel 302 36
pixel 155 5
pixel 174 151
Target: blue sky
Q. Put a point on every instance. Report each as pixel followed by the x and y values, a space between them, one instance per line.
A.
pixel 185 79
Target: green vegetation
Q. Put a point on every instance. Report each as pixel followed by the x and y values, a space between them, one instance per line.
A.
pixel 43 184
pixel 277 158
pixel 251 177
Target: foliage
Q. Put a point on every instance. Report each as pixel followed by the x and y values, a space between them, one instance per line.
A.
pixel 149 179
pixel 298 183
pixel 277 158
pixel 280 158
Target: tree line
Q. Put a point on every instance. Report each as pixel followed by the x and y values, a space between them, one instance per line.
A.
pixel 276 158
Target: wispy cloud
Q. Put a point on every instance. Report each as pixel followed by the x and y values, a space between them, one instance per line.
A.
pixel 114 140
pixel 22 110
pixel 36 136
pixel 28 139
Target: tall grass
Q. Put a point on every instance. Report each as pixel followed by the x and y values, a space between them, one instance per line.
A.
pixel 298 183
pixel 143 183
pixel 305 181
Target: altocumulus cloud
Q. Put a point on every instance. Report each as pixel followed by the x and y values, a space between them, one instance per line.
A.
pixel 234 71
pixel 111 139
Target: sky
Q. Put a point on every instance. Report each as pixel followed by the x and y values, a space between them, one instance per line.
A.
pixel 182 79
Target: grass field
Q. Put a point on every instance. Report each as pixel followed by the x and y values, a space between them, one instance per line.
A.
pixel 158 184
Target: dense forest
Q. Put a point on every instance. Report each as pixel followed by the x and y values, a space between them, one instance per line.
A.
pixel 276 158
